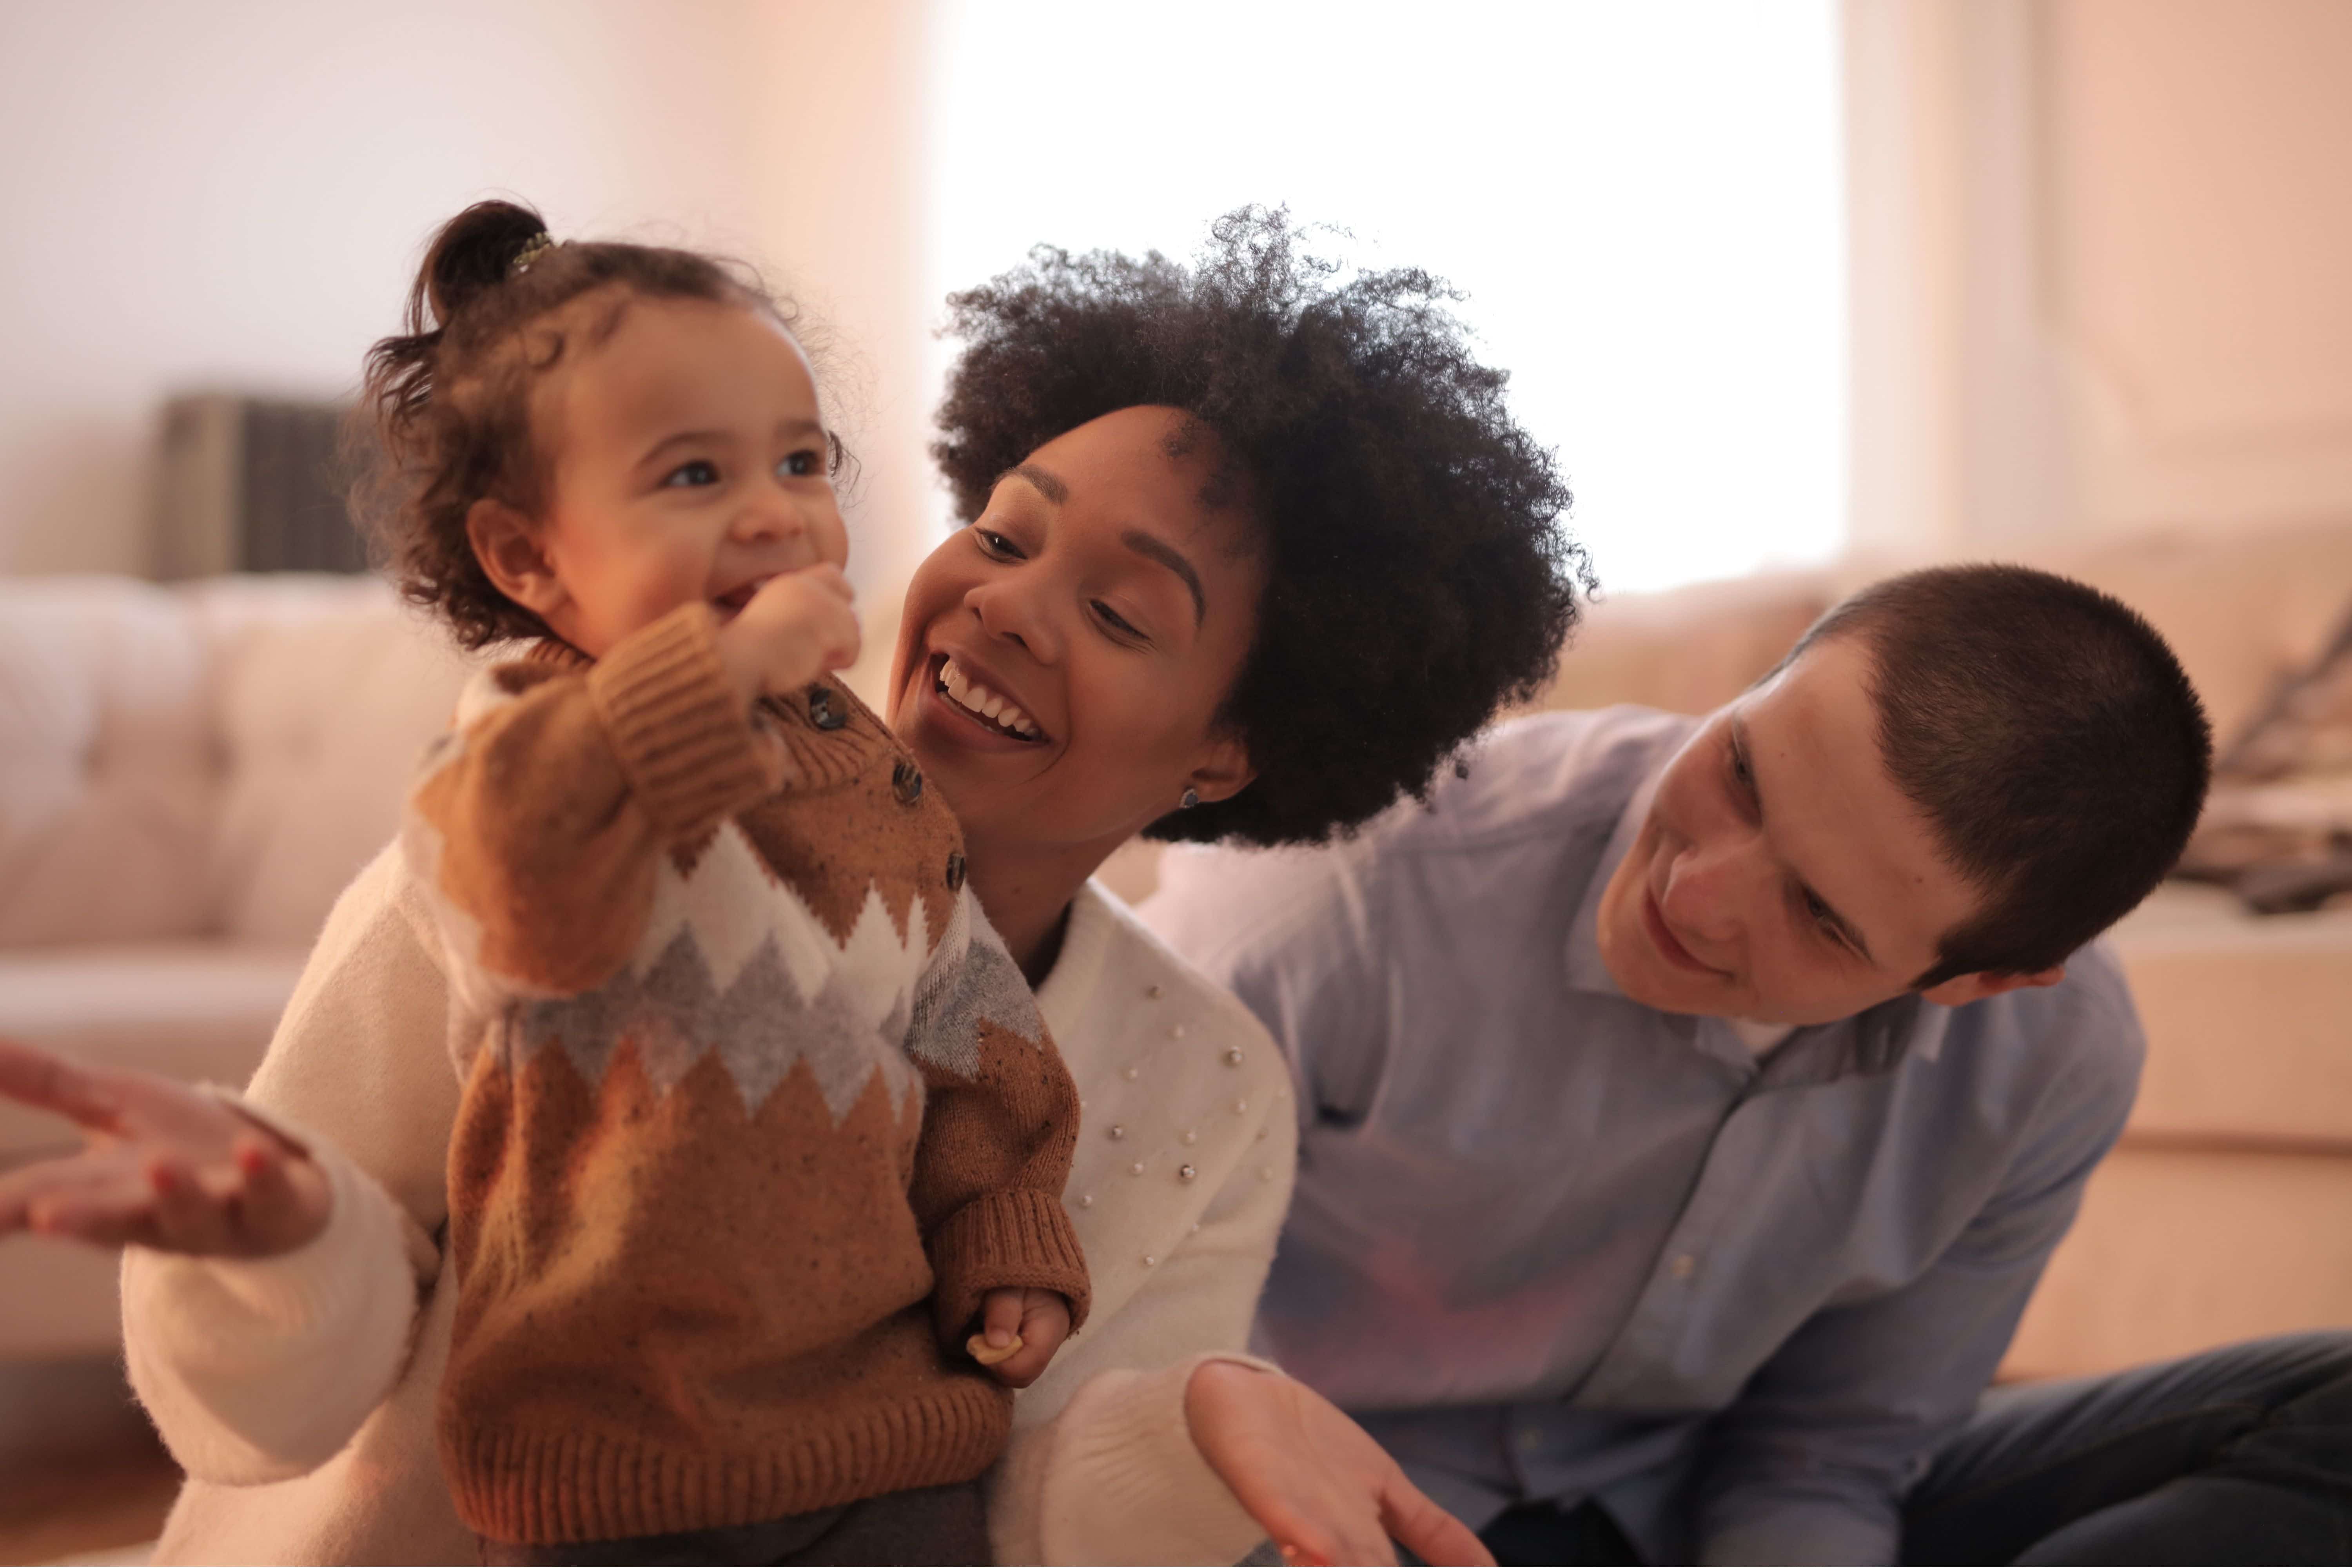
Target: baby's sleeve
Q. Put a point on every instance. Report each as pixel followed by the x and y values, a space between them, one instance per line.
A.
pixel 1000 1125
pixel 536 825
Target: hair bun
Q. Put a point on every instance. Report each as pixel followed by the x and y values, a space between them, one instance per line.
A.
pixel 473 253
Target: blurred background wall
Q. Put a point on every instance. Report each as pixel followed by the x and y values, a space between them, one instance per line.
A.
pixel 2099 249
pixel 235 196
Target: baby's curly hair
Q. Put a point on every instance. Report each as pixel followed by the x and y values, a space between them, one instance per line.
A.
pixel 1419 575
pixel 444 416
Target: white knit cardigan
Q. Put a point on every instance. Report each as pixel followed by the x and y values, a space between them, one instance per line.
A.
pixel 297 1392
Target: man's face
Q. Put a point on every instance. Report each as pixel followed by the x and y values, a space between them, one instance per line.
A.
pixel 1780 875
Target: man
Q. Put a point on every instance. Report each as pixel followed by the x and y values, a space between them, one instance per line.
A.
pixel 1689 1106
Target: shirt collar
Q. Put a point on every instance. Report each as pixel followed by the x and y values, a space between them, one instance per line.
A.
pixel 1871 1042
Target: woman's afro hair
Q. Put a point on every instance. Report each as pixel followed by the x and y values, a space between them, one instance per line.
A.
pixel 1419 575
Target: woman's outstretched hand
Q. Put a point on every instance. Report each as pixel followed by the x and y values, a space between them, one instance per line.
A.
pixel 1323 1489
pixel 167 1166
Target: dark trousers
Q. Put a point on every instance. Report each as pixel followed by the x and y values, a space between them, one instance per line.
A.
pixel 2240 1454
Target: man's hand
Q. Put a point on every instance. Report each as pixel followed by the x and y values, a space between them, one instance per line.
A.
pixel 799 625
pixel 1322 1489
pixel 1037 1321
pixel 166 1167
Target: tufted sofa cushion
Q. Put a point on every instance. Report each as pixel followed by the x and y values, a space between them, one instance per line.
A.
pixel 323 696
pixel 108 778
pixel 213 760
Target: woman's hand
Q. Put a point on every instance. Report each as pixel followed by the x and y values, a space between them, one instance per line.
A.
pixel 167 1166
pixel 1323 1489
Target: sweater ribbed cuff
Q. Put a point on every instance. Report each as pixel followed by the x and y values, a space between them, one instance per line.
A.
pixel 1131 1487
pixel 683 736
pixel 1018 1238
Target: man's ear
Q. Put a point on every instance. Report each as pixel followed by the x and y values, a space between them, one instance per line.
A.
pixel 512 557
pixel 1963 989
pixel 1223 769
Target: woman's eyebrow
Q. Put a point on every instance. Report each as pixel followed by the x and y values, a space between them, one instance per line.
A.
pixel 1045 484
pixel 1152 549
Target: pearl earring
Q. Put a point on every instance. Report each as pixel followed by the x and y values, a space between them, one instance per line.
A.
pixel 1191 799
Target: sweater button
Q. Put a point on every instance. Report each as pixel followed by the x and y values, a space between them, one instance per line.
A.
pixel 955 873
pixel 823 711
pixel 907 782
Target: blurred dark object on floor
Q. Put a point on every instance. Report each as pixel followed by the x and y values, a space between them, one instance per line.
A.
pixel 253 484
pixel 80 1468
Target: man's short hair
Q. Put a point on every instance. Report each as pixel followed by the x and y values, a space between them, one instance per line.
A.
pixel 2051 737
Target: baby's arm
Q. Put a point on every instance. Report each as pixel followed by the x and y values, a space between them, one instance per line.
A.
pixel 537 824
pixel 1000 1123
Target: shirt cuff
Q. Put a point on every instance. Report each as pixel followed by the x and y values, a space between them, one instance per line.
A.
pixel 1128 1484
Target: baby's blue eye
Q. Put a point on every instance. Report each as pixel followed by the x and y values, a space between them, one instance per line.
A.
pixel 700 471
pixel 801 464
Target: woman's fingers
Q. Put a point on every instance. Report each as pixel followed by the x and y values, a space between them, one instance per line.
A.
pixel 35 1077
pixel 101 1202
pixel 276 1210
pixel 189 1216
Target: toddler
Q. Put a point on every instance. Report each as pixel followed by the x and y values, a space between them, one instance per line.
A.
pixel 762 1141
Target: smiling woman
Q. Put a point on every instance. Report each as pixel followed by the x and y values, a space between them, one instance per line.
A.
pixel 1337 442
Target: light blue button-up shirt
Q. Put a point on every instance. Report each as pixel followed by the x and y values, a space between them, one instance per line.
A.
pixel 1551 1244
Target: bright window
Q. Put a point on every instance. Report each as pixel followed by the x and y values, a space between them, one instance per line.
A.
pixel 1642 199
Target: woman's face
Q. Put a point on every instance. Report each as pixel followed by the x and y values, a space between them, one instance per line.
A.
pixel 1063 657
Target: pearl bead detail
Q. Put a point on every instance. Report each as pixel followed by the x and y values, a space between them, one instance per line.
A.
pixel 1185 1173
pixel 1117 1131
pixel 1086 1200
pixel 1241 1107
pixel 1131 1074
pixel 1234 1056
pixel 1149 1261
pixel 1136 1169
pixel 1190 1136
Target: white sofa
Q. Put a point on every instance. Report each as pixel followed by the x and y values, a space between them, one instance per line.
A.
pixel 188 776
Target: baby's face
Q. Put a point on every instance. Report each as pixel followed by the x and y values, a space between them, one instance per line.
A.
pixel 688 462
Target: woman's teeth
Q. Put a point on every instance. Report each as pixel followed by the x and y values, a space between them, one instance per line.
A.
pixel 980 702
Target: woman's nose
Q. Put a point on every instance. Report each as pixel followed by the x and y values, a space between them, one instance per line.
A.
pixel 1009 612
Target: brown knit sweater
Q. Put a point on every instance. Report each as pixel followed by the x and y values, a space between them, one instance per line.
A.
pixel 757 1110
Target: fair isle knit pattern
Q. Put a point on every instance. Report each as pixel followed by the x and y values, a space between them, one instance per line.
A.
pixel 761 1111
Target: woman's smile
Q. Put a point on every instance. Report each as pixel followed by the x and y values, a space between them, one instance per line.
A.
pixel 968 691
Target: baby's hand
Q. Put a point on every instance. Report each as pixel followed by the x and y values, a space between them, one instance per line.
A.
pixel 167 1166
pixel 796 627
pixel 1031 1323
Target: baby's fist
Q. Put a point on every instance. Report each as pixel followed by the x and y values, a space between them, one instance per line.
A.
pixel 1029 1325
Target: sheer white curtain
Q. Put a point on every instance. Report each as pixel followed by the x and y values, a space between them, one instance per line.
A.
pixel 1642 198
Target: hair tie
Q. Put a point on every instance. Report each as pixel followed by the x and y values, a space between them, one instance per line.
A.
pixel 537 245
